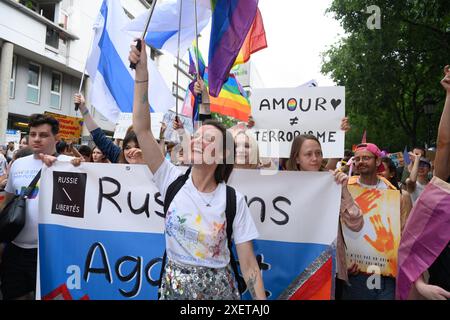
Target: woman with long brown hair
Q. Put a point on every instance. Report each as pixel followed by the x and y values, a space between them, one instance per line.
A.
pixel 196 225
pixel 306 155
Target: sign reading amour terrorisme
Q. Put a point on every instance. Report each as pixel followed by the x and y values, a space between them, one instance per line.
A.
pixel 105 239
pixel 374 248
pixel 282 114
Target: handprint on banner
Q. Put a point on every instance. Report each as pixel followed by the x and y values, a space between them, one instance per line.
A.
pixel 366 200
pixel 385 239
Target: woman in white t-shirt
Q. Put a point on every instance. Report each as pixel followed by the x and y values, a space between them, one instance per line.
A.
pixel 198 264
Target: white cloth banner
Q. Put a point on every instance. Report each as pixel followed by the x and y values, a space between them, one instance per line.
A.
pixel 282 114
pixel 99 223
pixel 126 120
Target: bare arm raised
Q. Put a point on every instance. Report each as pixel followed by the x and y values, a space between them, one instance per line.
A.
pixel 442 161
pixel 141 115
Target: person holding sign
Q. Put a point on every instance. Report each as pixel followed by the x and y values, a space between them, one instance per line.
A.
pixel 306 155
pixel 198 238
pixel 19 261
pixel 425 245
pixel 368 161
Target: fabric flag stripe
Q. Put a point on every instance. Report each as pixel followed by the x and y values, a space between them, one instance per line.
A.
pixel 112 80
pixel 157 39
pixel 406 158
pixel 318 286
pixel 255 40
pixel 425 235
pixel 111 67
pixel 231 23
pixel 201 62
pixel 164 25
pixel 364 137
pixel 230 102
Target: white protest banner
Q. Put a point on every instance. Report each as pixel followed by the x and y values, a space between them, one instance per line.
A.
pixel 101 231
pixel 282 114
pixel 374 248
pixel 126 120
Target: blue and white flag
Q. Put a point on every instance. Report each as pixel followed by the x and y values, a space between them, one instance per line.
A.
pixel 108 66
pixel 163 29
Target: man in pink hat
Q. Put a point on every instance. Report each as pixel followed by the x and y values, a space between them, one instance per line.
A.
pixel 368 163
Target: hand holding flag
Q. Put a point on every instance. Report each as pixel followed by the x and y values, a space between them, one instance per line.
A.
pixel 138 57
pixel 139 43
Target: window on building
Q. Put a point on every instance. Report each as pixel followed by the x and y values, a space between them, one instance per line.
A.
pixel 48 10
pixel 184 66
pixel 34 83
pixel 181 91
pixel 56 90
pixel 52 37
pixel 12 81
pixel 30 4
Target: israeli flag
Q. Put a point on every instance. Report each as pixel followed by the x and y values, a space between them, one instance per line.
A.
pixel 163 29
pixel 108 66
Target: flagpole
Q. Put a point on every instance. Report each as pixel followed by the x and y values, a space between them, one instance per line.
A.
pixel 196 41
pixel 139 44
pixel 77 105
pixel 178 55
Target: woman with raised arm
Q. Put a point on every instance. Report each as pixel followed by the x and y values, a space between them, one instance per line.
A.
pixel 198 208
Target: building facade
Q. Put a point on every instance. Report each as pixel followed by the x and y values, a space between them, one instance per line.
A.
pixel 43 48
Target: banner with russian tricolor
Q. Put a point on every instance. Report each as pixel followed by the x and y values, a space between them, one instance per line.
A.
pixel 101 231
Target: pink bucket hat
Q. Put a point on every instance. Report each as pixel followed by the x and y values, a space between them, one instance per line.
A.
pixel 372 148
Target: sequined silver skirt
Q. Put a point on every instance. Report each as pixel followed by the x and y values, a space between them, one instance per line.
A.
pixel 182 282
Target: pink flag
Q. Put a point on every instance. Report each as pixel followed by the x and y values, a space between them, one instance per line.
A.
pixel 364 137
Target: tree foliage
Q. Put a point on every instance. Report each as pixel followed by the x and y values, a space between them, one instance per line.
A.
pixel 390 73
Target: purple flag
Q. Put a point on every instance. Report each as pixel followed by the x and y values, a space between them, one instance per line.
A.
pixel 231 22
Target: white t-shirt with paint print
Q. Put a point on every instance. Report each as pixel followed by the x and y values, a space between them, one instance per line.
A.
pixel 195 233
pixel 21 174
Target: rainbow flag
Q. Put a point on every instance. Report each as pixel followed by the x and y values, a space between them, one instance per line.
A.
pixel 192 61
pixel 231 22
pixel 255 40
pixel 232 100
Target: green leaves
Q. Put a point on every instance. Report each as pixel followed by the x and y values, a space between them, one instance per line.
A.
pixel 389 72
